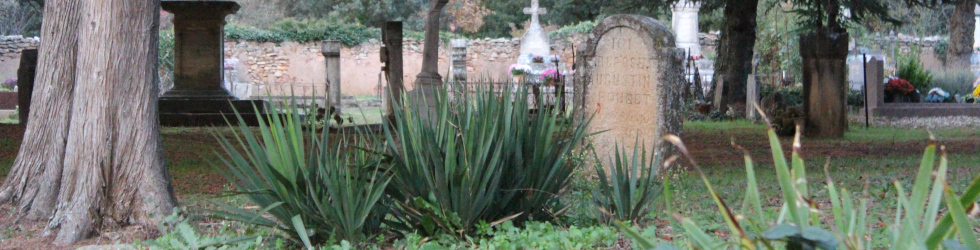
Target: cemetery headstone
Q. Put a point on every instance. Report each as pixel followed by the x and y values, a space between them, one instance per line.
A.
pixel 331 53
pixel 458 66
pixel 824 84
pixel 535 41
pixel 630 79
pixel 875 77
pixel 25 83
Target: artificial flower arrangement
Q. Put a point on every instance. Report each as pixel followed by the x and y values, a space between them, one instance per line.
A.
pixel 899 86
pixel 550 76
pixel 519 69
pixel 937 95
pixel 537 59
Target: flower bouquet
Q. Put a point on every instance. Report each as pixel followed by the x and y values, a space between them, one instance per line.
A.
pixel 937 95
pixel 550 76
pixel 898 88
pixel 537 59
pixel 519 71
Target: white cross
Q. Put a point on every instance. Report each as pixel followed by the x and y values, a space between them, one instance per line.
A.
pixel 535 10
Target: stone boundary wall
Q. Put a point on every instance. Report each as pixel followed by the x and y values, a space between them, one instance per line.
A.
pixel 288 67
pixel 10 49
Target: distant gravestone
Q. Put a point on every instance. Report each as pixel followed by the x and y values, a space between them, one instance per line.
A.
pixel 630 78
pixel 459 60
pixel 25 83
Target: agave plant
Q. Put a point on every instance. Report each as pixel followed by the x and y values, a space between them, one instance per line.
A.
pixel 479 157
pixel 799 226
pixel 630 187
pixel 315 187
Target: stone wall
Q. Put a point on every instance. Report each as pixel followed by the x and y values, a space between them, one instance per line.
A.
pixel 10 48
pixel 299 67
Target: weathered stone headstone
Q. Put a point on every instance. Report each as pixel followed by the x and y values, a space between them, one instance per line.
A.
pixel 25 83
pixel 458 48
pixel 630 78
pixel 391 56
pixel 331 54
pixel 875 76
pixel 824 84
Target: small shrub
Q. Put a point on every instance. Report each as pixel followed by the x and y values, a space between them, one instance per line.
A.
pixel 954 81
pixel 479 157
pixel 569 30
pixel 632 186
pixel 315 188
pixel 9 84
pixel 911 69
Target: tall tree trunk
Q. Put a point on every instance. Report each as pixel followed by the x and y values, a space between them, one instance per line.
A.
pixel 961 35
pixel 92 156
pixel 735 51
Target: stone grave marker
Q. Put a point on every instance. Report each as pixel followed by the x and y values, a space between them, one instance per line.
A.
pixel 630 79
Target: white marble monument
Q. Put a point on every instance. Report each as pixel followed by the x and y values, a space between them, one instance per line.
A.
pixel 684 22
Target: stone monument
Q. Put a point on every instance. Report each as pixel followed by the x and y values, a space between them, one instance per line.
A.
pixel 197 97
pixel 391 56
pixel 535 41
pixel 630 79
pixel 25 83
pixel 331 53
pixel 684 21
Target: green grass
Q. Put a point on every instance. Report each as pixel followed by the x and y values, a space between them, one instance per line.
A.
pixel 189 151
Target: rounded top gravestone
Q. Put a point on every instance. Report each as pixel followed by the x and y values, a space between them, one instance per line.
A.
pixel 629 85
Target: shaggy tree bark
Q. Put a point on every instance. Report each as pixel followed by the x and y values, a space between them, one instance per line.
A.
pixel 735 49
pixel 92 157
pixel 961 35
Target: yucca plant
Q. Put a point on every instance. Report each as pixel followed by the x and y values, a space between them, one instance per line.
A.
pixel 315 187
pixel 799 226
pixel 630 187
pixel 480 156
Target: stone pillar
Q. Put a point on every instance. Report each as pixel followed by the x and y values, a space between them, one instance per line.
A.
pixel 25 83
pixel 198 48
pixel 874 77
pixel 824 83
pixel 331 54
pixel 391 36
pixel 458 48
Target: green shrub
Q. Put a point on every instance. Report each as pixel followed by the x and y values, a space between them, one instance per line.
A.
pixel 569 30
pixel 800 225
pixel 479 157
pixel 306 30
pixel 630 189
pixel 954 81
pixel 911 69
pixel 314 187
